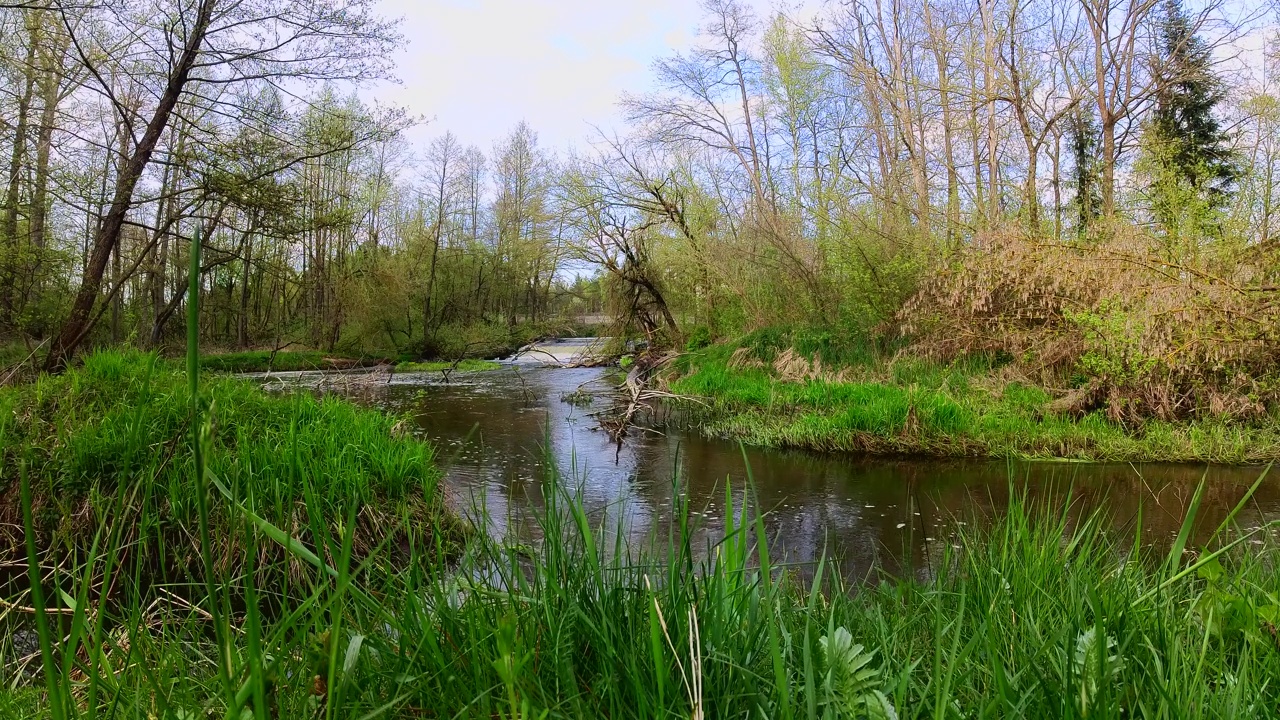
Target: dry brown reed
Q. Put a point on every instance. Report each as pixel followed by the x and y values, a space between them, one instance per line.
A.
pixel 1135 328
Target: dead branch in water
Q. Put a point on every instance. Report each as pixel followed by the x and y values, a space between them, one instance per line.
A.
pixel 640 395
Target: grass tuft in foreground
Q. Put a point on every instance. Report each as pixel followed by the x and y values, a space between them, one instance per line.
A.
pixel 117 430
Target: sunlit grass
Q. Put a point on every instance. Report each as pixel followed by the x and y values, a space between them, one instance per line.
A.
pixel 914 406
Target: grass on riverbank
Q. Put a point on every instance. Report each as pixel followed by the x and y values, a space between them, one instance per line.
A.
pixel 765 395
pixel 119 427
pixel 476 344
pixel 250 361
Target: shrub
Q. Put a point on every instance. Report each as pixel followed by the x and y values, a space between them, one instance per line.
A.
pixel 698 339
pixel 1152 337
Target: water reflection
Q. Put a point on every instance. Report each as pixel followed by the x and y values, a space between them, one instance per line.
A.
pixel 497 432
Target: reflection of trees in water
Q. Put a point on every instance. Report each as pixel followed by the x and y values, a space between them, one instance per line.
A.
pixel 850 509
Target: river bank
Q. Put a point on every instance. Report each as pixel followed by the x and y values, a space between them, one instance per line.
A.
pixel 284 604
pixel 112 437
pixel 906 406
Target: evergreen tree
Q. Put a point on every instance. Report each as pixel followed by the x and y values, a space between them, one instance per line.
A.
pixel 1082 138
pixel 1186 143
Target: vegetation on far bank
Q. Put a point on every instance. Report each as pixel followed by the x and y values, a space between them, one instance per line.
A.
pixel 467 365
pixel 821 391
pixel 470 346
pixel 250 361
pixel 254 361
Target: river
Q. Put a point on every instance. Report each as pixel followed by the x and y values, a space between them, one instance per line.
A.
pixel 498 432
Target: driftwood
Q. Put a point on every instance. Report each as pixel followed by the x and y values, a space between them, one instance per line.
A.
pixel 337 379
pixel 639 395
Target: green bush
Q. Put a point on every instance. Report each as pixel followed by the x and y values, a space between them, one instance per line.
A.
pixel 698 339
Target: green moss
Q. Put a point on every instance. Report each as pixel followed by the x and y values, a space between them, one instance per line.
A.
pixel 467 365
pixel 264 361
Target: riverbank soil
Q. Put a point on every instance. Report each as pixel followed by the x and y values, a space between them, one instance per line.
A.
pixel 808 390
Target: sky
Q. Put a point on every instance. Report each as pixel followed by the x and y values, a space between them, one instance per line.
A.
pixel 478 67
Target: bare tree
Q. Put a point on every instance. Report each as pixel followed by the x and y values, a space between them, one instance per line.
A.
pixel 1035 94
pixel 444 163
pixel 200 49
pixel 613 224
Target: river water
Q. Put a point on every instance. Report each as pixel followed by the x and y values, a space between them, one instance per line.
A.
pixel 497 434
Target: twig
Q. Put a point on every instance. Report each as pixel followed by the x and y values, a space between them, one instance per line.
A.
pixel 24 361
pixel 31 611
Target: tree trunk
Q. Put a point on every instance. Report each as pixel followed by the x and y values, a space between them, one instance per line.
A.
pixel 246 259
pixel 989 91
pixel 117 297
pixel 51 97
pixel 11 251
pixel 1056 159
pixel 938 40
pixel 1108 164
pixel 79 321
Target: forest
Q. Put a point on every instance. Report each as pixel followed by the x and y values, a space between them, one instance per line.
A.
pixel 1020 230
pixel 1083 194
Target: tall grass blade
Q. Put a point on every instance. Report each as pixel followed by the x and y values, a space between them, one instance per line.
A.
pixel 213 596
pixel 53 683
pixel 1244 500
pixel 1188 523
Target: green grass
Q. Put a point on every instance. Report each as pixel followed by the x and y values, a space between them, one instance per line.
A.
pixel 284 611
pixel 265 360
pixel 468 365
pixel 266 595
pixel 912 406
pixel 1035 616
pixel 121 422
